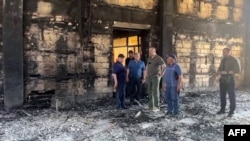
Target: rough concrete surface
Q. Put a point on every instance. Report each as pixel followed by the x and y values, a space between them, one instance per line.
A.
pixel 100 121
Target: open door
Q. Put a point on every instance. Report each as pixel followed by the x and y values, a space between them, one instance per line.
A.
pixel 125 40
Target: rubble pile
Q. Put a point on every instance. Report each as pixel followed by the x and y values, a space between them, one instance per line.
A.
pixel 99 121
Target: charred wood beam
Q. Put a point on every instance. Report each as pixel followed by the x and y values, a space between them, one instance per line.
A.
pixel 86 20
pixel 231 9
pixel 1 37
pixel 13 53
pixel 144 43
pixel 167 11
pixel 209 28
pixel 192 71
pixel 101 27
pixel 123 14
pixel 80 20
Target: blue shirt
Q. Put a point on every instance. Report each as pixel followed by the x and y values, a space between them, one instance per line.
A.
pixel 170 74
pixel 120 72
pixel 136 68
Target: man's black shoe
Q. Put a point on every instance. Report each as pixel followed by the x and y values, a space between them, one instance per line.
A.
pixel 124 107
pixel 134 103
pixel 220 112
pixel 230 114
pixel 176 113
pixel 118 108
pixel 168 113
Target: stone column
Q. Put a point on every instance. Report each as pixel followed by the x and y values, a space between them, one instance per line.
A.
pixel 13 53
pixel 167 11
pixel 247 44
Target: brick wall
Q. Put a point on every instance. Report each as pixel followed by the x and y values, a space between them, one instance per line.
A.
pixel 102 49
pixel 58 59
pixel 68 57
pixel 199 53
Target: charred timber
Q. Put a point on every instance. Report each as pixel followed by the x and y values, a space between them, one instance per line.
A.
pixel 123 14
pixel 209 28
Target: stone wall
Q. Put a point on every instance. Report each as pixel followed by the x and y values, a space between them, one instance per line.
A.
pixel 1 49
pixel 200 51
pixel 68 46
pixel 58 58
pixel 247 45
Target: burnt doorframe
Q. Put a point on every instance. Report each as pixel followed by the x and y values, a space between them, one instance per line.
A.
pixel 143 31
pixel 127 33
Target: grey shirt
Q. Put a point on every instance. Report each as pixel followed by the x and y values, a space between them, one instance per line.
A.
pixel 154 66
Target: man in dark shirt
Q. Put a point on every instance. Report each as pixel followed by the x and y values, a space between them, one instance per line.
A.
pixel 130 57
pixel 135 76
pixel 228 68
pixel 119 75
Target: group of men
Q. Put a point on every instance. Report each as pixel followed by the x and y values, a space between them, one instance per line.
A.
pixel 135 73
pixel 130 77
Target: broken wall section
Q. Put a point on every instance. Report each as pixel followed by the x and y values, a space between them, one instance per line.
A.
pixel 209 27
pixel 69 52
pixel 57 56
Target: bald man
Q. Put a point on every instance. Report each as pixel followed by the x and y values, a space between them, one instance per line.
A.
pixel 229 66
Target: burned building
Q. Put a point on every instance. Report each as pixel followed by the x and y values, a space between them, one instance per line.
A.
pixel 66 48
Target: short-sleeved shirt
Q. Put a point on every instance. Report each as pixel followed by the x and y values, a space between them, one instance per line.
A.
pixel 154 66
pixel 170 74
pixel 120 72
pixel 136 68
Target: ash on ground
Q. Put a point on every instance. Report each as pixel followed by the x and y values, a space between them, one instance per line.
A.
pixel 100 121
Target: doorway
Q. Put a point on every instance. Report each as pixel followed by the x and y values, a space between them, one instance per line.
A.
pixel 125 40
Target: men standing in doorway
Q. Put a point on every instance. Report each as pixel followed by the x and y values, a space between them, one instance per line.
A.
pixel 119 76
pixel 129 58
pixel 136 73
pixel 229 66
pixel 154 71
pixel 171 84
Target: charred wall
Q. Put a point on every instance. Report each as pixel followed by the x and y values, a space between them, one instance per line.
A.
pixel 12 38
pixel 68 46
pixel 247 44
pixel 57 54
pixel 201 29
pixel 1 49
